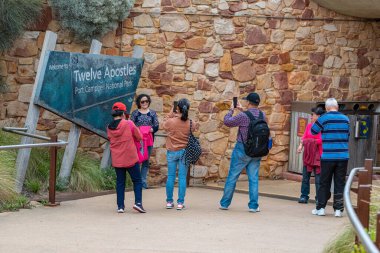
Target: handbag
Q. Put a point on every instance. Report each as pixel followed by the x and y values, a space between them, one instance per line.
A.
pixel 193 149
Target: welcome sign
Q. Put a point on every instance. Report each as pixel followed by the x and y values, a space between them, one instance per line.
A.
pixel 83 87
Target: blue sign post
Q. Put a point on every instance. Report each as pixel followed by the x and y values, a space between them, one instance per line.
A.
pixel 82 87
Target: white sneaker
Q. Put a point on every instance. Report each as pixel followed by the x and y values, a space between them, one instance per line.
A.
pixel 120 210
pixel 257 210
pixel 320 212
pixel 338 213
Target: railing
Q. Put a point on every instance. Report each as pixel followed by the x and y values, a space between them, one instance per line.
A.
pixel 359 216
pixel 53 144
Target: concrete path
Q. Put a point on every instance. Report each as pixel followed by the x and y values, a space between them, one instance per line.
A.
pixel 285 189
pixel 92 225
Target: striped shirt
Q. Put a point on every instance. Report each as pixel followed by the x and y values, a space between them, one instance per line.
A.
pixel 335 129
pixel 242 121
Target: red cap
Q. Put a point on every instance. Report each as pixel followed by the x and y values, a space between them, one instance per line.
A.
pixel 119 106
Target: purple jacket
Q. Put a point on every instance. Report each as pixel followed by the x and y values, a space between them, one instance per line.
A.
pixel 242 121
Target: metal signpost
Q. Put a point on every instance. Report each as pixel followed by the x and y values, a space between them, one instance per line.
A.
pixel 80 88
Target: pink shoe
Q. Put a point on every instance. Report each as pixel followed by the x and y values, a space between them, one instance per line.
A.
pixel 169 205
pixel 180 206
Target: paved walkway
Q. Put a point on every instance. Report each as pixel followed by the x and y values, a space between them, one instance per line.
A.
pixel 284 189
pixel 92 225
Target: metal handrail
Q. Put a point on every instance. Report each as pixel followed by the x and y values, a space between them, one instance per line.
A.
pixel 22 131
pixel 360 231
pixel 53 154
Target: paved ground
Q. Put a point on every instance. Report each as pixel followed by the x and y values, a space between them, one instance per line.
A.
pixel 285 189
pixel 92 225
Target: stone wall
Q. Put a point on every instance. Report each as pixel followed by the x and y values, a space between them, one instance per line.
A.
pixel 208 51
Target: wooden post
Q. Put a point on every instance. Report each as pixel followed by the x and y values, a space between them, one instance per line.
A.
pixel 364 192
pixel 33 115
pixel 368 165
pixel 74 135
pixel 138 52
pixel 363 204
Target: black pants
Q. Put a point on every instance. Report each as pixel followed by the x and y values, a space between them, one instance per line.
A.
pixel 338 169
pixel 134 172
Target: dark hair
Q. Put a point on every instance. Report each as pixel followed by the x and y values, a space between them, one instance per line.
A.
pixel 139 97
pixel 317 110
pixel 116 113
pixel 184 107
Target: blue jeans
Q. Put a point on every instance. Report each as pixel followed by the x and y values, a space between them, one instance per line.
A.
pixel 305 187
pixel 145 169
pixel 134 172
pixel 239 161
pixel 174 160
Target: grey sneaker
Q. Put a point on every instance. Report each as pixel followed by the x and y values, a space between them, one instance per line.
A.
pixel 251 210
pixel 223 208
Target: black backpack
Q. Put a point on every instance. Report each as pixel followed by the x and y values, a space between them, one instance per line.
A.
pixel 258 136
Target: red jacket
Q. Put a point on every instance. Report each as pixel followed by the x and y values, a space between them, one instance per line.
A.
pixel 311 156
pixel 122 145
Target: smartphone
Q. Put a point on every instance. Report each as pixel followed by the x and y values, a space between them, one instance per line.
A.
pixel 235 101
pixel 175 104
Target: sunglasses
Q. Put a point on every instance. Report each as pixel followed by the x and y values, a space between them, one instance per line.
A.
pixel 144 102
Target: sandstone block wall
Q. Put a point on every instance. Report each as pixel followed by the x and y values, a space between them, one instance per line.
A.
pixel 208 51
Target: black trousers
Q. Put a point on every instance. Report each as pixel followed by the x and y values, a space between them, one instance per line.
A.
pixel 338 169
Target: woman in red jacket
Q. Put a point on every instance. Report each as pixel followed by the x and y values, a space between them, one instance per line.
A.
pixel 121 134
pixel 312 146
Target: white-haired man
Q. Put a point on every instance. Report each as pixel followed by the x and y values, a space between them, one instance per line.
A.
pixel 335 129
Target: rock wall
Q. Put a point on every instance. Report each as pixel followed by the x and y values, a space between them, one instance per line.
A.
pixel 207 51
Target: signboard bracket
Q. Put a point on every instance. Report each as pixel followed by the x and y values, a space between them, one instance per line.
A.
pixel 33 115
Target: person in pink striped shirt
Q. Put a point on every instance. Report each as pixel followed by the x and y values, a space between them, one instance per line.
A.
pixel 312 152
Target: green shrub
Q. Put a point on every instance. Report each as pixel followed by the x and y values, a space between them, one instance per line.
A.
pixel 9 199
pixel 91 19
pixel 7 163
pixel 33 186
pixel 38 168
pixel 14 204
pixel 109 179
pixel 7 180
pixel 15 16
pixel 86 175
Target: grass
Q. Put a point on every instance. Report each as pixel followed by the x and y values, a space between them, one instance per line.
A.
pixel 14 204
pixel 9 199
pixel 86 175
pixel 345 241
